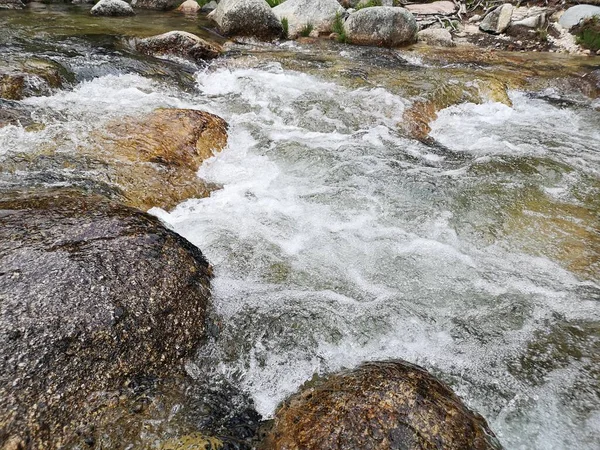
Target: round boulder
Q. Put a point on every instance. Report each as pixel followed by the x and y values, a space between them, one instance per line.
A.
pixel 384 26
pixel 252 18
pixel 112 8
pixel 379 405
pixel 93 295
pixel 576 14
pixel 189 7
pixel 320 14
pixel 179 43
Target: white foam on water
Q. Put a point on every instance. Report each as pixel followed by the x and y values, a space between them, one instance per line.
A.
pixel 333 243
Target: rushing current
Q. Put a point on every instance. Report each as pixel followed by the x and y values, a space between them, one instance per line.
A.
pixel 335 238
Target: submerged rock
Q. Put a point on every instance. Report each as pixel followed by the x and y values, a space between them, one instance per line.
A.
pixel 30 77
pixel 13 113
pixel 93 296
pixel 252 18
pixel 112 8
pixel 145 161
pixel 320 14
pixel 498 19
pixel 179 43
pixel 155 157
pixel 385 26
pixel 380 405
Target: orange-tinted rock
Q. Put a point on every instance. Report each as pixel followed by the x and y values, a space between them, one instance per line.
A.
pixel 379 405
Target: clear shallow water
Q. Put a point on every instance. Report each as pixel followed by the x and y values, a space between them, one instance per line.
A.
pixel 336 239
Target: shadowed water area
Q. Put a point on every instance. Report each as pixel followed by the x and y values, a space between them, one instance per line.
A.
pixel 442 207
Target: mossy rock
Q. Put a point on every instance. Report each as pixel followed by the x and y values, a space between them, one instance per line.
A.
pixel 379 405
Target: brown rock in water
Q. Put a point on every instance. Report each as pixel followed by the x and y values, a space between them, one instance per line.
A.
pixel 155 157
pixel 20 79
pixel 379 405
pixel 94 296
pixel 179 43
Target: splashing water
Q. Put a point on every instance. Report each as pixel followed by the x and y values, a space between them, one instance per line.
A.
pixel 336 239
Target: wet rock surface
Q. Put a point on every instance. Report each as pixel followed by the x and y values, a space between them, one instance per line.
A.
pixel 13 113
pixel 379 405
pixel 93 296
pixel 179 43
pixel 144 161
pixel 20 78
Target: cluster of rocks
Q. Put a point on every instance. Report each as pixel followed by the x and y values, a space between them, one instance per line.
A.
pixel 528 28
pixel 376 22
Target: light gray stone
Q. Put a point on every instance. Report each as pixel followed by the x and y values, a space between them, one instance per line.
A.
pixel 210 6
pixel 159 5
pixel 381 25
pixel 112 8
pixel 425 9
pixel 497 20
pixel 576 14
pixel 436 36
pixel 189 7
pixel 319 13
pixel 253 18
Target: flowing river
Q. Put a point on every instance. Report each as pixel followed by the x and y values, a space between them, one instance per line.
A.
pixel 337 238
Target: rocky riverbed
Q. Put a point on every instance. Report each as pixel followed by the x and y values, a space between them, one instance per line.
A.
pixel 231 230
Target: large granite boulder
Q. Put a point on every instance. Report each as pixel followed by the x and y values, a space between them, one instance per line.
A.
pixel 576 14
pixel 179 43
pixel 498 19
pixel 379 405
pixel 320 14
pixel 384 26
pixel 251 18
pixel 94 296
pixel 112 8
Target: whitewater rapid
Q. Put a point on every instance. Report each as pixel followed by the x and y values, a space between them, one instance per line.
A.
pixel 336 239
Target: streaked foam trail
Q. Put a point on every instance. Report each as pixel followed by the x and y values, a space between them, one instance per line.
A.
pixel 334 241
